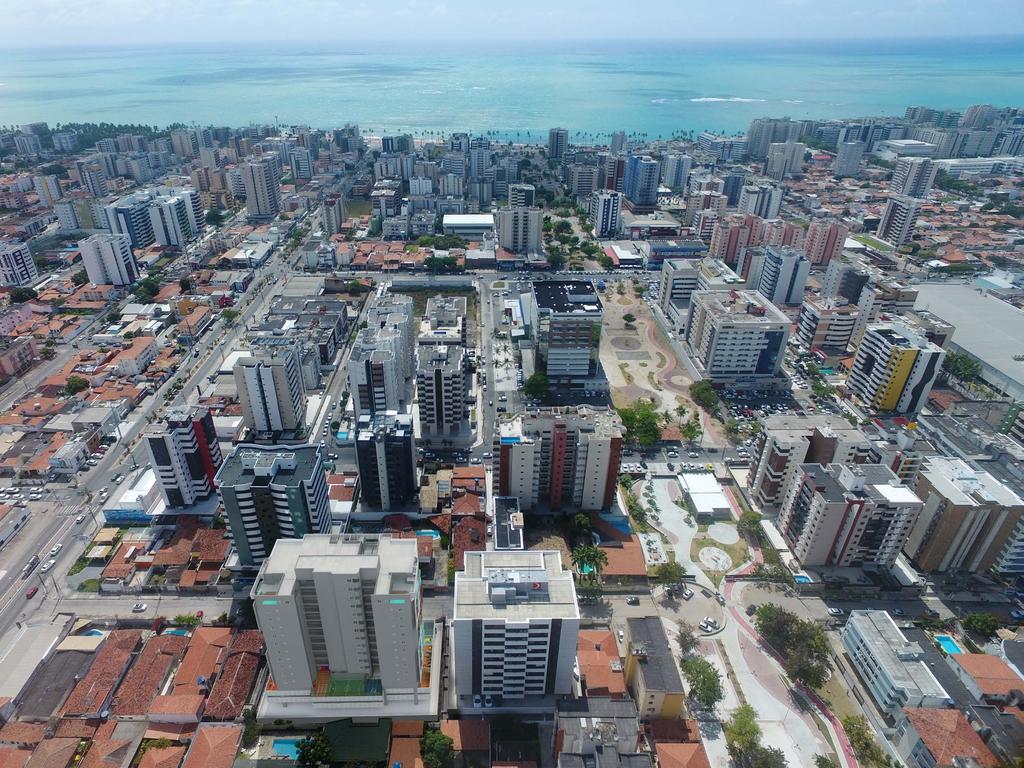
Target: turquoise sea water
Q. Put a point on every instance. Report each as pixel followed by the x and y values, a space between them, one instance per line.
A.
pixel 516 92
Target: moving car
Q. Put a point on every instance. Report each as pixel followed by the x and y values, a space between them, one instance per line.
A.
pixel 48 565
pixel 632 600
pixel 835 611
pixel 139 608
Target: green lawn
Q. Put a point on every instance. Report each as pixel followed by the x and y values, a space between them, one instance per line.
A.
pixel 874 242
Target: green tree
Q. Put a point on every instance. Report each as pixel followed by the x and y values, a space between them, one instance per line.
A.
pixel 314 751
pixel 185 284
pixel 629 318
pixel 81 277
pixel 639 290
pixel 692 430
pixel 984 624
pixel 671 572
pixel 961 366
pixel 589 557
pixel 215 217
pixel 437 749
pixel 605 261
pixel 824 761
pixel 556 259
pixel 642 424
pixel 75 384
pixel 749 523
pixel 704 679
pixel 21 294
pixel 704 395
pixel 863 741
pixel 742 733
pixel 802 643
pixel 229 315
pixel 536 386
pixel 686 638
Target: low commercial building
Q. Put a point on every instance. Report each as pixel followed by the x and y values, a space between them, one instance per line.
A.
pixel 514 628
pixel 889 665
pixel 652 672
pixel 468 226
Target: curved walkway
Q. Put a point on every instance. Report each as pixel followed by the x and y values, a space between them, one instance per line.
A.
pixel 835 729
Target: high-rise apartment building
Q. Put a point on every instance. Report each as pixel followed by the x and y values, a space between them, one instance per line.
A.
pixel 640 184
pixel 270 493
pixel 725 149
pixel 913 176
pixel 558 143
pixel 845 279
pixel 17 266
pixel 129 215
pixel 386 457
pixel 341 608
pixel 605 212
pixel 177 216
pixel 849 155
pixel 824 241
pixel 969 518
pixel 675 170
pixel 787 441
pixel 521 195
pixel 738 337
pixel 784 159
pixel 566 317
pixel 560 458
pixel 108 259
pixel 732 235
pixel 514 628
pixel 65 141
pixel 765 131
pixel 301 161
pixel 784 275
pixel 441 391
pixel 895 368
pixel 334 213
pixel 262 182
pixel 581 179
pixel 270 390
pixel 618 142
pixel 519 229
pixel 762 200
pixel 847 515
pixel 381 364
pixel 879 297
pixel 826 324
pixel 48 190
pixel 93 177
pixel 899 219
pixel 185 455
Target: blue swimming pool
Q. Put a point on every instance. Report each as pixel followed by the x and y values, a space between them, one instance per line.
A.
pixel 342 436
pixel 948 644
pixel 802 579
pixel 429 532
pixel 92 633
pixel 620 522
pixel 586 568
pixel 287 748
pixel 176 631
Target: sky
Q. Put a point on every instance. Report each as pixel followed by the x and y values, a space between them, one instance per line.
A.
pixel 108 23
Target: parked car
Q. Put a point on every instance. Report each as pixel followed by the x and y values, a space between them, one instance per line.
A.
pixel 31 592
pixel 632 600
pixel 835 611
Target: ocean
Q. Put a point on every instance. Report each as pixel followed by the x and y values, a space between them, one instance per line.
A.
pixel 511 92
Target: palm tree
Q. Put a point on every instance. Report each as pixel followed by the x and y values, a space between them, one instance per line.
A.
pixel 589 556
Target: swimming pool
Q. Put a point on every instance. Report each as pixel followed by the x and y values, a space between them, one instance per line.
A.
pixel 176 631
pixel 948 644
pixel 802 579
pixel 429 532
pixel 93 633
pixel 287 748
pixel 586 569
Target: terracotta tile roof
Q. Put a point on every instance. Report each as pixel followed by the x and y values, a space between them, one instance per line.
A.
pixel 467 504
pixel 122 565
pixel 993 675
pixel 108 752
pixel 147 675
pixel 411 728
pixel 674 730
pixel 947 734
pixel 53 753
pixel 174 731
pixel 682 755
pixel 470 535
pixel 12 757
pixel 16 732
pixel 162 757
pixel 206 647
pixel 214 746
pixel 468 735
pixel 597 655
pixel 237 676
pixel 178 704
pixel 92 691
pixel 406 753
pixel 625 560
pixel 76 728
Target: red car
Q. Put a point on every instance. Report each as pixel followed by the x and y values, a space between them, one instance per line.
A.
pixel 31 593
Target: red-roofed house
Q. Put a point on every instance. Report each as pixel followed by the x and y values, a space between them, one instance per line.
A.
pixel 12 757
pixel 471 740
pixel 236 678
pixel 214 746
pixel 146 678
pixel 53 753
pixel 988 678
pixel 93 693
pixel 18 734
pixel 162 757
pixel 206 648
pixel 599 663
pixel 682 755
pixel 937 737
pixel 108 753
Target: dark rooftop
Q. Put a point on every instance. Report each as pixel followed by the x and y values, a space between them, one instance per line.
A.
pixel 508 523
pixel 648 641
pixel 567 296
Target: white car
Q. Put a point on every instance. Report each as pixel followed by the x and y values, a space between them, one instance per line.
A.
pixel 139 608
pixel 835 611
pixel 56 548
pixel 47 566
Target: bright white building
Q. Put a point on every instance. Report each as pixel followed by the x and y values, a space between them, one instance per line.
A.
pixel 17 267
pixel 108 259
